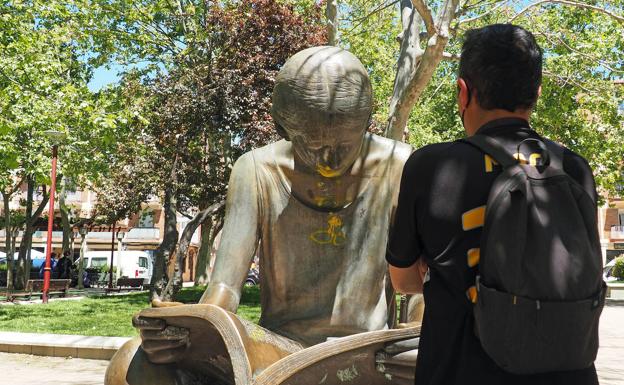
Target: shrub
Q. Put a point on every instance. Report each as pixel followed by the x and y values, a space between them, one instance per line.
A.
pixel 618 269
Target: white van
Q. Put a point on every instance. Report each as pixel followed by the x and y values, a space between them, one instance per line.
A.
pixel 130 263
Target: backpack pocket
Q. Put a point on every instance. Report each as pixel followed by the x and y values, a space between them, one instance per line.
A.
pixel 527 336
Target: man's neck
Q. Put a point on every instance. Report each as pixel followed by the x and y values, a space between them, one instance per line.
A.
pixel 485 116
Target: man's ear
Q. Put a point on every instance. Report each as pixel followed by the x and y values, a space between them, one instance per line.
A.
pixel 463 96
pixel 281 131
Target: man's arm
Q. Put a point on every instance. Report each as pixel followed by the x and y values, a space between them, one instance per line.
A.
pixel 409 280
pixel 404 246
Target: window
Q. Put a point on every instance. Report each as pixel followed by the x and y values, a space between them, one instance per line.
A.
pixel 97 262
pixel 621 219
pixel 142 262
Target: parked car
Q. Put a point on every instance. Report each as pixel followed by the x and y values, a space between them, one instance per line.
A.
pixel 131 263
pixel 608 271
pixel 253 277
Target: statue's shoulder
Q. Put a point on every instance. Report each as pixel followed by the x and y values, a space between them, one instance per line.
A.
pixel 393 150
pixel 269 156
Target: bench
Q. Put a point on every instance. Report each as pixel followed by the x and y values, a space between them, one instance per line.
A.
pixel 35 287
pixel 124 283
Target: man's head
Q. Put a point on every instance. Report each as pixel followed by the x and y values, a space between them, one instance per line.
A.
pixel 500 73
pixel 322 102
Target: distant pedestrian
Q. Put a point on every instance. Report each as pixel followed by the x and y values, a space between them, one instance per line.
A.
pixel 52 266
pixel 64 266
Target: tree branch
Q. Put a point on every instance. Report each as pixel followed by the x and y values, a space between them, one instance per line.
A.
pixel 426 15
pixel 41 207
pixel 489 11
pixel 451 56
pixel 331 12
pixel 570 4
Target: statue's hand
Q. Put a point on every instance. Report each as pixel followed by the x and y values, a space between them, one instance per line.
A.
pixel 163 344
pixel 397 361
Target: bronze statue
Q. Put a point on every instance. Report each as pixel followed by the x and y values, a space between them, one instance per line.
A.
pixel 316 207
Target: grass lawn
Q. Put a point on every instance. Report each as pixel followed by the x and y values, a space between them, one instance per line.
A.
pixel 102 316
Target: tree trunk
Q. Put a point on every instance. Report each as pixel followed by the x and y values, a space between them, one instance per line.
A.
pixel 415 66
pixel 175 283
pixel 202 272
pixel 26 244
pixel 6 198
pixel 166 247
pixel 331 12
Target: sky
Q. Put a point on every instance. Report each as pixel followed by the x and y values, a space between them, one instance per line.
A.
pixel 103 76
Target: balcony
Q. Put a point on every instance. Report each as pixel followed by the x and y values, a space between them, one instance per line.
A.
pixel 617 232
pixel 143 233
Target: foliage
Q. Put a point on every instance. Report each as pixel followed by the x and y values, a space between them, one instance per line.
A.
pixel 211 106
pixel 618 269
pixel 584 53
pixel 102 316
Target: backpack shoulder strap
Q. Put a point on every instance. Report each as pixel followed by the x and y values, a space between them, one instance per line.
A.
pixel 555 153
pixel 493 148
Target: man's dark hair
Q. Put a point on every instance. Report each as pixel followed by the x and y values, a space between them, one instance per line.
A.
pixel 503 63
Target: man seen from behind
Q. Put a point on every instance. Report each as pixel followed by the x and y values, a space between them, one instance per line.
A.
pixel 443 208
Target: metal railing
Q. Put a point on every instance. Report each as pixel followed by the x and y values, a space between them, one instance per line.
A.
pixel 143 233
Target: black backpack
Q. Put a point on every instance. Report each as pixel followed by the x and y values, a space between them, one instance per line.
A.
pixel 540 288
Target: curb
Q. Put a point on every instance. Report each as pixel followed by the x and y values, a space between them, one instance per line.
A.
pixel 61 345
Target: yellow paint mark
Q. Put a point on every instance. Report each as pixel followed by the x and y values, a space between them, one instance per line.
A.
pixel 326 171
pixel 472 294
pixel 473 218
pixel 257 335
pixel 474 255
pixel 520 156
pixel 333 234
pixel 533 159
pixel 489 163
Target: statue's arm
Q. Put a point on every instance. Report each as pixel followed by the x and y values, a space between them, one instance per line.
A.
pixel 239 239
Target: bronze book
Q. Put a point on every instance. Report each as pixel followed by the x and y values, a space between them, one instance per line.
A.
pixel 233 351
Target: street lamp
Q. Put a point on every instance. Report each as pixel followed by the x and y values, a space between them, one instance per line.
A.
pixel 83 244
pixel 56 138
pixel 110 268
pixel 120 236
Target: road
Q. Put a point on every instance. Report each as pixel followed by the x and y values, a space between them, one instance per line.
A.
pixel 21 369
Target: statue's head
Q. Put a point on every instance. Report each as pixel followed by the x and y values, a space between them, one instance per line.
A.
pixel 322 102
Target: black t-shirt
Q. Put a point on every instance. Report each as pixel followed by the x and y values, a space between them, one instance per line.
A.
pixel 444 190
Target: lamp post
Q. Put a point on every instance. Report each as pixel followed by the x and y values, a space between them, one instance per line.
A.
pixel 83 244
pixel 120 235
pixel 110 268
pixel 74 235
pixel 56 138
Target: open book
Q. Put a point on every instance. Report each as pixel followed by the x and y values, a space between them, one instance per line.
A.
pixel 233 351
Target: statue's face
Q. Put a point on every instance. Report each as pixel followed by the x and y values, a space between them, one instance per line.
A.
pixel 328 152
pixel 322 100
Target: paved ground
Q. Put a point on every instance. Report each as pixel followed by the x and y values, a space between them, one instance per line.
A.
pixel 610 363
pixel 21 369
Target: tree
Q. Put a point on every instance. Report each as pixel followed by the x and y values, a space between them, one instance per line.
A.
pixel 212 105
pixel 43 86
pixel 583 56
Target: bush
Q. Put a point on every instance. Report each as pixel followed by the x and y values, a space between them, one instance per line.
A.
pixel 3 267
pixel 618 269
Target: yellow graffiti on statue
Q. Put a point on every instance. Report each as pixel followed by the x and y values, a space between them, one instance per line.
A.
pixel 333 234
